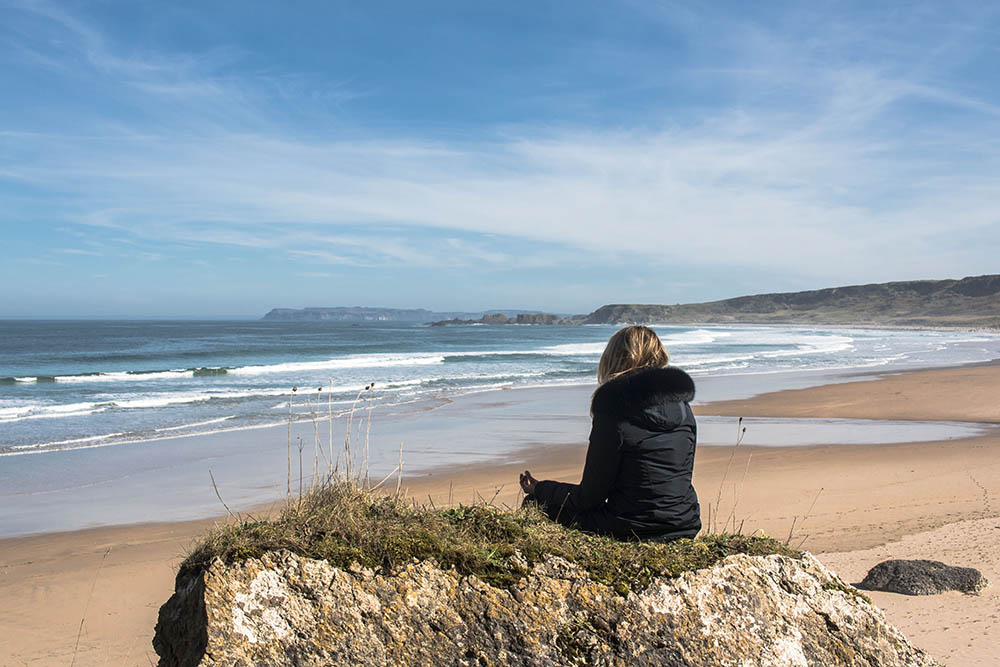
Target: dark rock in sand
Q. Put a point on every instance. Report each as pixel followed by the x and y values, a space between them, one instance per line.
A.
pixel 922 577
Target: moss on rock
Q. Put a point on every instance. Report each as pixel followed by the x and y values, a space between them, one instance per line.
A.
pixel 347 526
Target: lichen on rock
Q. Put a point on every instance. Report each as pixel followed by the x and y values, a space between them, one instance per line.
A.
pixel 745 610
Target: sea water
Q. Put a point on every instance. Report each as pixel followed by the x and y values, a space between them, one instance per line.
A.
pixel 75 385
pixel 120 422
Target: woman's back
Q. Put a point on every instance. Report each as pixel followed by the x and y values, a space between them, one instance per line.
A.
pixel 652 495
pixel 636 480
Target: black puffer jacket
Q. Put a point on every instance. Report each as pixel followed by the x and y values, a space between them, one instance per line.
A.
pixel 637 479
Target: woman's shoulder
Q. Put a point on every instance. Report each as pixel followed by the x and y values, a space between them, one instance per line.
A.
pixel 640 389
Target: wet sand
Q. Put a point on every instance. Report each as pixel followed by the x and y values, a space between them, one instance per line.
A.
pixel 965 393
pixel 855 505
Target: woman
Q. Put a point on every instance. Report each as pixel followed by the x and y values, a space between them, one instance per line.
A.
pixel 637 478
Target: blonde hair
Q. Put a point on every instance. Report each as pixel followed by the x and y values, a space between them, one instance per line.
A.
pixel 630 349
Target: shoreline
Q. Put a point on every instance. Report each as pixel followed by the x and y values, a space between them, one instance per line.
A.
pixel 125 436
pixel 843 499
pixel 806 402
pixel 964 393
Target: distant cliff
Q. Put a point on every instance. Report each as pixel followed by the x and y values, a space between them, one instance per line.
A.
pixel 971 302
pixel 360 314
pixel 500 318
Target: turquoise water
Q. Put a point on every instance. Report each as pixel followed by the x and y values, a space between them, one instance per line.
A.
pixel 81 385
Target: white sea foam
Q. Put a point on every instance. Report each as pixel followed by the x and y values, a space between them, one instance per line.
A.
pixel 207 422
pixel 161 400
pixel 48 411
pixel 141 401
pixel 824 345
pixel 51 415
pixel 955 341
pixel 388 360
pixel 353 361
pixel 695 337
pixel 125 376
pixel 62 443
pixel 684 360
pixel 571 349
pixel 14 412
pixel 109 440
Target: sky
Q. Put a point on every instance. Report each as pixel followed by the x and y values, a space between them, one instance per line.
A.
pixel 218 159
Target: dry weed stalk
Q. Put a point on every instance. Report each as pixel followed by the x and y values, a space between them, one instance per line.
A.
pixel 740 433
pixel 347 437
pixel 791 531
pixel 288 485
pixel 399 468
pixel 739 492
pixel 219 495
pixel 368 429
pixel 300 467
pixel 316 447
pixel 329 407
pixel 86 606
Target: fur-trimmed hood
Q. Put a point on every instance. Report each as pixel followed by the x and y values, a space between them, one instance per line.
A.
pixel 634 392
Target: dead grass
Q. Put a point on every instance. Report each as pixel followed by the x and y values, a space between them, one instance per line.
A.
pixel 343 524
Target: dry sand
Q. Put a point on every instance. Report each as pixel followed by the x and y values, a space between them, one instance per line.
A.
pixel 931 500
pixel 939 501
pixel 957 629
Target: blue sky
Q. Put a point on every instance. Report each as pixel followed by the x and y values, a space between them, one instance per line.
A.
pixel 219 159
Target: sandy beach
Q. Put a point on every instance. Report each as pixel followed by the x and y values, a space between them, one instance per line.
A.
pixel 855 505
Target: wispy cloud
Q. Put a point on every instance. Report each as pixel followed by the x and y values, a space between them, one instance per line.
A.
pixel 802 196
pixel 77 251
pixel 825 148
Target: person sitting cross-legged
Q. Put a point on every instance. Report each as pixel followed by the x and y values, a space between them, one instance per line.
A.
pixel 636 481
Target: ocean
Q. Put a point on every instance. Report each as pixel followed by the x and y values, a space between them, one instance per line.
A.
pixel 106 423
pixel 80 385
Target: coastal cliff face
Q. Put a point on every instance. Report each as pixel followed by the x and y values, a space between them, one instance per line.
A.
pixel 745 610
pixel 971 302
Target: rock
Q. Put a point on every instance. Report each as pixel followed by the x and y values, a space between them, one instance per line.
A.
pixel 500 318
pixel 283 609
pixel 922 577
pixel 538 318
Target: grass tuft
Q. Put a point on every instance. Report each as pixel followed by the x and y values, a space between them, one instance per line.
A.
pixel 343 524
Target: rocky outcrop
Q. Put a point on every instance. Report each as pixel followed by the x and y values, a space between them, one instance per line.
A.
pixel 500 318
pixel 283 609
pixel 922 577
pixel 357 314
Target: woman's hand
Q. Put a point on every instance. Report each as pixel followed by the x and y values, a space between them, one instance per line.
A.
pixel 528 483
